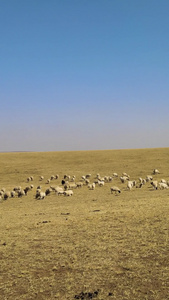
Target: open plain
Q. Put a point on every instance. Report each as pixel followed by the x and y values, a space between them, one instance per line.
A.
pixel 92 245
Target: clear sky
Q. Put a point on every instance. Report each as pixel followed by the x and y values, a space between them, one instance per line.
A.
pixel 84 74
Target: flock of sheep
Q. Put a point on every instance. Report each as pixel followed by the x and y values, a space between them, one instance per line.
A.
pixel 69 183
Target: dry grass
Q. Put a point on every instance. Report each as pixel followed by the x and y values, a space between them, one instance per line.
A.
pixel 93 244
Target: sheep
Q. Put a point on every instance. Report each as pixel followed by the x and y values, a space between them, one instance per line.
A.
pixel 21 193
pixel 149 178
pixel 72 186
pixel 68 193
pixel 125 175
pixel 48 181
pixel 88 175
pixel 101 183
pixel 61 192
pixel 163 181
pixel 124 178
pixel 163 185
pixel 41 178
pixel 58 189
pixel 91 186
pixel 12 194
pixel 66 177
pixel 73 178
pixel 115 175
pixel 115 189
pixel 40 195
pixel 140 185
pixel 154 184
pixel 130 184
pixel 79 184
pixel 17 188
pixel 87 181
pixel 52 177
pixel 6 195
pixel 28 188
pixel 48 191
pixel 56 176
pixel 155 171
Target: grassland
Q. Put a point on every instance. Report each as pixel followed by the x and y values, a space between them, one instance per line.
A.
pixel 93 244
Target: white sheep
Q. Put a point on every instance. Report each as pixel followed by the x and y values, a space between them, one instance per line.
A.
pixel 149 178
pixel 101 183
pixel 154 183
pixel 91 186
pixel 155 171
pixel 68 193
pixel 130 184
pixel 79 184
pixel 115 189
pixel 72 186
pixel 6 195
pixel 163 185
pixel 40 195
pixel 124 178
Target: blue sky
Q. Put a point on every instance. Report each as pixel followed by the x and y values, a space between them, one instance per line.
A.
pixel 84 74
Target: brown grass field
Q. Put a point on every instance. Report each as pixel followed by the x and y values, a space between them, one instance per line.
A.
pixel 93 245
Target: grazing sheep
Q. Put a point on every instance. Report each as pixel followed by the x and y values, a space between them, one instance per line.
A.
pixel 40 195
pixel 115 175
pixel 163 185
pixel 155 171
pixel 139 185
pixel 52 177
pixel 21 193
pixel 48 181
pixel 91 186
pixel 115 189
pixel 17 188
pixel 6 195
pixel 66 177
pixel 88 175
pixel 41 178
pixel 130 184
pixel 12 194
pixel 48 191
pixel 124 178
pixel 72 186
pixel 163 181
pixel 56 176
pixel 73 178
pixel 125 175
pixel 61 192
pixel 101 183
pixel 154 183
pixel 79 184
pixel 68 193
pixel 149 178
pixel 58 189
pixel 28 188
